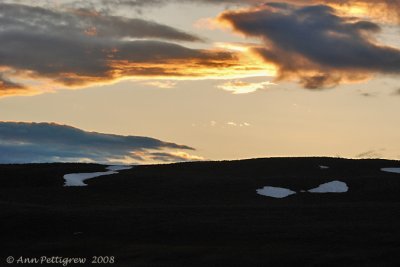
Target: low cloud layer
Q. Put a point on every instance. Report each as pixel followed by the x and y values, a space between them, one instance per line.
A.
pixel 45 142
pixel 314 45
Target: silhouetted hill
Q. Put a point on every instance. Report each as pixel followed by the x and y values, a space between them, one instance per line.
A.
pixel 205 213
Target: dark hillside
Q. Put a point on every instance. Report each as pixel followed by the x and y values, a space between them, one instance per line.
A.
pixel 205 214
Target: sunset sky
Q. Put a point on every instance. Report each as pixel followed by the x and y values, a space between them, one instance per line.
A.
pixel 144 81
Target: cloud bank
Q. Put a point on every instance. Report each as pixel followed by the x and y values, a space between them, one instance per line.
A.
pixel 48 142
pixel 81 47
pixel 314 45
pixel 48 45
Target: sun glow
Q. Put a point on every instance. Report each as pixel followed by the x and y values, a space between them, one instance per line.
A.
pixel 243 64
pixel 233 47
pixel 241 87
pixel 354 9
pixel 379 12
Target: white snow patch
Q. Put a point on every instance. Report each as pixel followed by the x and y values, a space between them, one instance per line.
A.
pixel 276 192
pixel 322 167
pixel 77 179
pixel 331 187
pixel 393 170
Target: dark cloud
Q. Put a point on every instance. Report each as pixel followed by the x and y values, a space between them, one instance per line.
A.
pixel 81 47
pixel 45 142
pixel 80 43
pixel 141 3
pixel 315 45
pixel 15 17
pixel 85 60
pixel 390 9
pixel 386 7
pixel 109 6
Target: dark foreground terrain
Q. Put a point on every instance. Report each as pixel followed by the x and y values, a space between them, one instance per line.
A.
pixel 204 214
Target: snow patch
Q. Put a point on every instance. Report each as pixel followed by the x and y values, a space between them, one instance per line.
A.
pixel 322 167
pixel 77 179
pixel 331 187
pixel 276 192
pixel 393 170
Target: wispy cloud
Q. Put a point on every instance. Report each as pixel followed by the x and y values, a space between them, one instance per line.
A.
pixel 49 142
pixel 161 84
pixel 374 153
pixel 174 156
pixel 238 124
pixel 241 87
pixel 221 124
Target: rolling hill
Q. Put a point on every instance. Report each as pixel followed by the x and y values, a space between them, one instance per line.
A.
pixel 205 213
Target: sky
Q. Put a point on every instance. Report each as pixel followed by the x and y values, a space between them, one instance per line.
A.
pixel 150 81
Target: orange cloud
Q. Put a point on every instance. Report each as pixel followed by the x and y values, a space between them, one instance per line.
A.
pixel 180 63
pixel 387 11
